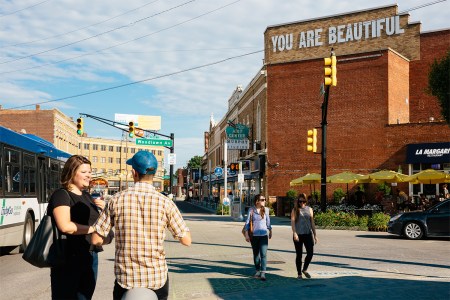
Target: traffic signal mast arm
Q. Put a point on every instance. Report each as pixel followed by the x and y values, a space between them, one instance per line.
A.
pixel 127 127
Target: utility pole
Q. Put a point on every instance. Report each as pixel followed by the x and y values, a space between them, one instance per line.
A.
pixel 330 79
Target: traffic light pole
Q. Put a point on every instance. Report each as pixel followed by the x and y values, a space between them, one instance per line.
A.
pixel 323 173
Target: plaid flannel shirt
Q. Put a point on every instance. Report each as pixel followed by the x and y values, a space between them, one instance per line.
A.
pixel 140 216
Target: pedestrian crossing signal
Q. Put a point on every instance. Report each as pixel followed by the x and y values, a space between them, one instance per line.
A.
pixel 234 167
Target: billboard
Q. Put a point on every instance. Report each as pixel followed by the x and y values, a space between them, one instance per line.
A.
pixel 143 122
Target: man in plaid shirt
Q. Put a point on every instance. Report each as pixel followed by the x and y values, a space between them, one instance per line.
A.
pixel 140 216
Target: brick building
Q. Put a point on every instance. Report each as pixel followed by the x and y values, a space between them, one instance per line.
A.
pixel 378 111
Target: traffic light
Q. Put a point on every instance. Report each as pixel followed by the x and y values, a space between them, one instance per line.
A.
pixel 234 167
pixel 312 140
pixel 131 129
pixel 80 129
pixel 330 70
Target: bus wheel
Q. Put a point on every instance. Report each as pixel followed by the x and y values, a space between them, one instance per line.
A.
pixel 28 231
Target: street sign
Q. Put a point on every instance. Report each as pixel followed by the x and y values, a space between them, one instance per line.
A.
pixel 238 144
pixel 240 178
pixel 154 142
pixel 218 171
pixel 172 158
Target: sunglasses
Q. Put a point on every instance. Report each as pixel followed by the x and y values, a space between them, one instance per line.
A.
pixel 262 199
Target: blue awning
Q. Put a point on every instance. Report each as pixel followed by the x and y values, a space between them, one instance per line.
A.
pixel 433 153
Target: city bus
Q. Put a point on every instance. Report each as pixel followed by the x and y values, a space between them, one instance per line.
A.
pixel 30 171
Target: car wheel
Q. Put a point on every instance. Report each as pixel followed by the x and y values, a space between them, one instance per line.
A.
pixel 413 231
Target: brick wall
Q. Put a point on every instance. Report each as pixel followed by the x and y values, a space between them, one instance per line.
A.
pixel 37 122
pixel 433 45
pixel 359 137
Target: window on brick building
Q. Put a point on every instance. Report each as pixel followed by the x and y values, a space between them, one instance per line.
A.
pixel 94 147
pixel 117 160
pixel 102 159
pixel 159 152
pixel 94 159
pixel 111 148
pixel 86 146
pixel 103 147
pixel 118 148
pixel 133 150
pixel 110 160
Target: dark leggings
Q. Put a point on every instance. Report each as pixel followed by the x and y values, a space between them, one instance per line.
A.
pixel 306 239
pixel 162 293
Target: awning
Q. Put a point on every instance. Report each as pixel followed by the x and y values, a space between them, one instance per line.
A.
pixel 432 153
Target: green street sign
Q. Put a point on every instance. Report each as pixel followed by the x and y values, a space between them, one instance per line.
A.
pixel 154 142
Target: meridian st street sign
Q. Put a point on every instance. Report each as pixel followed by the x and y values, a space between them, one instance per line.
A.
pixel 154 142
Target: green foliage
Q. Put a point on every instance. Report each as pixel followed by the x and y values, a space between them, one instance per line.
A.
pixel 386 189
pixel 378 222
pixel 438 84
pixel 195 162
pixel 226 209
pixel 292 194
pixel 338 194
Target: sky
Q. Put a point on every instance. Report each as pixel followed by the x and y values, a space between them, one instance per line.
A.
pixel 178 59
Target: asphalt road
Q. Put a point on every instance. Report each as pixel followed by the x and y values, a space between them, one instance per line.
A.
pixel 218 265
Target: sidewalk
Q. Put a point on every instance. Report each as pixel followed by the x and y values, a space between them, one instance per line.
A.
pixel 219 265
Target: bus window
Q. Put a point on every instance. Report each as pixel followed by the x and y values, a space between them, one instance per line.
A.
pixel 12 179
pixel 29 175
pixel 1 171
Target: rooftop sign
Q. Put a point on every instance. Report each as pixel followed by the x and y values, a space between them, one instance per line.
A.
pixel 350 33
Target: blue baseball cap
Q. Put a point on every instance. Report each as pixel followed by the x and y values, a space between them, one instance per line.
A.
pixel 144 162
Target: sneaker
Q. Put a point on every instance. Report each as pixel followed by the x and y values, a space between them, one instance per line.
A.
pixel 263 276
pixel 306 274
pixel 257 274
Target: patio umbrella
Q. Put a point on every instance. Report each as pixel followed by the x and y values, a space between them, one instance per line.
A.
pixel 347 177
pixel 429 176
pixel 310 178
pixel 386 176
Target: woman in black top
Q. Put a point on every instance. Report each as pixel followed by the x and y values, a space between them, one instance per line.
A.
pixel 74 211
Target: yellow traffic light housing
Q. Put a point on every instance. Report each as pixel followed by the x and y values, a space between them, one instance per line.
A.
pixel 330 70
pixel 131 129
pixel 312 140
pixel 80 129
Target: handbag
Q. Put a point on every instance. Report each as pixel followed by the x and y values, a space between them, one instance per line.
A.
pixel 47 246
pixel 250 228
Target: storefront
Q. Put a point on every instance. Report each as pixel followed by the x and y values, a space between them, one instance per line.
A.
pixel 424 156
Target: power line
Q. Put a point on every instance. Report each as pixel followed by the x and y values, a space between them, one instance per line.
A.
pixel 22 9
pixel 123 43
pixel 421 6
pixel 79 29
pixel 97 35
pixel 139 81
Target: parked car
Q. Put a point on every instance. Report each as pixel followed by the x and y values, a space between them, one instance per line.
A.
pixel 434 221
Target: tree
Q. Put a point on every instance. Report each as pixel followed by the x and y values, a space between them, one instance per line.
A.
pixel 195 162
pixel 439 84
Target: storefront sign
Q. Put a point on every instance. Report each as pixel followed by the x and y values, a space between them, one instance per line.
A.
pixel 238 144
pixel 237 132
pixel 428 153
